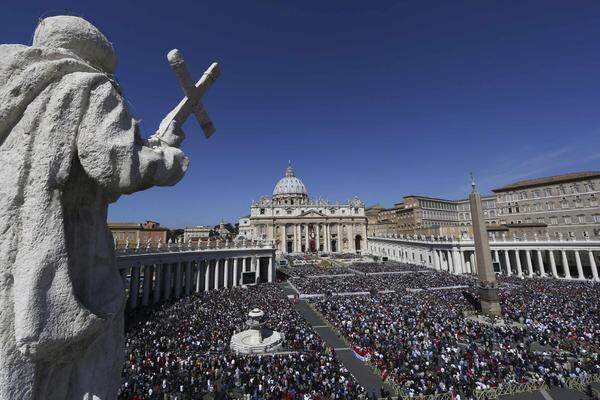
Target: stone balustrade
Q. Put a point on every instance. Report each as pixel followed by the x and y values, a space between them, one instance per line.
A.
pixel 561 258
pixel 160 272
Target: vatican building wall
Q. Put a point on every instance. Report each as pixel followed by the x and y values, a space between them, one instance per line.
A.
pixel 297 224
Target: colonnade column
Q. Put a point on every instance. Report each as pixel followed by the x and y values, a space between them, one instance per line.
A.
pixel 529 264
pixel 519 268
pixel 226 273
pixel 157 283
pixel 217 267
pixel 177 279
pixel 148 275
pixel 207 276
pixel 235 272
pixel 565 263
pixel 134 285
pixel 593 265
pixel 188 277
pixel 167 281
pixel 507 260
pixel 579 266
pixel 541 263
pixel 553 263
pixel 199 276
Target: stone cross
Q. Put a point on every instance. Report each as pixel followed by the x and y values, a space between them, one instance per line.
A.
pixel 191 103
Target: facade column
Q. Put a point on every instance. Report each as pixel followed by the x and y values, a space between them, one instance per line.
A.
pixel 519 268
pixel 217 267
pixel 463 262
pixel 178 279
pixel 328 237
pixel 148 274
pixel 593 265
pixel 553 264
pixel 317 238
pixel 529 264
pixel 244 264
pixel 226 273
pixel 235 272
pixel 351 238
pixel 497 256
pixel 448 260
pixel 207 276
pixel 456 262
pixel 507 260
pixel 579 266
pixel 283 242
pixel 157 283
pixel 167 283
pixel 306 238
pixel 565 262
pixel 134 286
pixel 473 266
pixel 270 271
pixel 339 238
pixel 188 277
pixel 542 268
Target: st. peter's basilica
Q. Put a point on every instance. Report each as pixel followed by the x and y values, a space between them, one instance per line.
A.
pixel 298 225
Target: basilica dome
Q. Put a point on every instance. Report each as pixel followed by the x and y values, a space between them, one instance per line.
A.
pixel 289 185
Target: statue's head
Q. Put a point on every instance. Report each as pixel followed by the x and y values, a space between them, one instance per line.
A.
pixel 80 37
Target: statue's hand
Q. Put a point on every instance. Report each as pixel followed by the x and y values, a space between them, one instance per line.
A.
pixel 172 136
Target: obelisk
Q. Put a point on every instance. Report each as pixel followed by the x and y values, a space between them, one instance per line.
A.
pixel 488 286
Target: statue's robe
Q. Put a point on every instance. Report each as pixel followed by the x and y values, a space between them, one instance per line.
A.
pixel 68 148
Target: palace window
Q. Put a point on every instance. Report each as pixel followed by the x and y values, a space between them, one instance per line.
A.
pixel 262 211
pixel 564 203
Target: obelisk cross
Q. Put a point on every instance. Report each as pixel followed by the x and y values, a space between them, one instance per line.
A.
pixel 191 103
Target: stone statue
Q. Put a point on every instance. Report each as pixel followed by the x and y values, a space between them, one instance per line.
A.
pixel 68 148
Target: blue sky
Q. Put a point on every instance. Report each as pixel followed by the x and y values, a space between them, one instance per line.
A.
pixel 374 99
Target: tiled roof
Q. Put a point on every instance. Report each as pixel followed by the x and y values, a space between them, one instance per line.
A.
pixel 549 180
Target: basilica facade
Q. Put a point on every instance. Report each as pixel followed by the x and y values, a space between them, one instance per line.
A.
pixel 297 224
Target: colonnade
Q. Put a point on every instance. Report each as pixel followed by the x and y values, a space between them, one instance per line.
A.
pixel 561 260
pixel 151 280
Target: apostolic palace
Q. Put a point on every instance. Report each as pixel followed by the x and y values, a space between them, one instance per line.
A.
pixel 297 224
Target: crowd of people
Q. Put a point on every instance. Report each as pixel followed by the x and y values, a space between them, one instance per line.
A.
pixel 424 343
pixel 315 270
pixel 181 351
pixel 388 266
pixel 388 282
